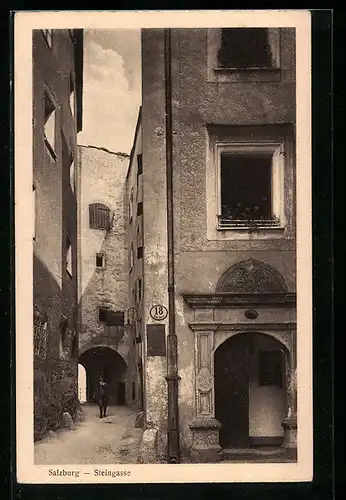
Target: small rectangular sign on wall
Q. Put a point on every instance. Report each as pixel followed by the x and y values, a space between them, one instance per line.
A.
pixel 156 340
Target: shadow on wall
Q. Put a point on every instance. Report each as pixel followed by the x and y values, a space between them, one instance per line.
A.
pixel 55 379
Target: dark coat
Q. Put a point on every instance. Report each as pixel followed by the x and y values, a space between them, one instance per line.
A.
pixel 102 392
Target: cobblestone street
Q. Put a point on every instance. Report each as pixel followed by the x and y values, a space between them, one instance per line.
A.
pixel 111 440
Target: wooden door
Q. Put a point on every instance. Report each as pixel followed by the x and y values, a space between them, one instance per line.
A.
pixel 231 365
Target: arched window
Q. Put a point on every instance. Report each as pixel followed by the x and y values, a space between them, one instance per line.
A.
pixel 99 216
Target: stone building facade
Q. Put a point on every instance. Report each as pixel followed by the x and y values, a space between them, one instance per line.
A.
pixel 135 267
pixel 103 301
pixel 57 118
pixel 233 171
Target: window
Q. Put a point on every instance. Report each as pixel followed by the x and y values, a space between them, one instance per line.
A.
pixel 68 251
pixel 131 258
pixel 271 368
pixel 250 182
pixel 103 314
pixel 133 391
pixel 72 97
pixel 139 164
pixel 250 185
pixel 33 212
pixel 139 237
pixel 139 290
pixel 49 125
pixel 243 54
pixel 139 252
pixel 48 35
pixel 245 48
pixel 99 216
pixel 131 206
pixel 100 260
pixel 140 208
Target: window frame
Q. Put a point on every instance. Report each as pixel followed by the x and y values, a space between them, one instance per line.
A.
pixel 245 134
pixel 276 150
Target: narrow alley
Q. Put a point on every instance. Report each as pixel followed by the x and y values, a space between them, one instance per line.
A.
pixel 113 439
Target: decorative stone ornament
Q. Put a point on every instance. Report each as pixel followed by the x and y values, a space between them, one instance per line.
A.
pixel 251 276
pixel 251 314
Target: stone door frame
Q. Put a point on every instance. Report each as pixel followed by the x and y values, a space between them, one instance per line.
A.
pixel 209 335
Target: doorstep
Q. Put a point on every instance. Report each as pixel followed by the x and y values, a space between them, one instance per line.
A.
pixel 256 455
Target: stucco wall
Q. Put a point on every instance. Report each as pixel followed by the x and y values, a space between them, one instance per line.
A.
pixel 134 185
pixel 155 218
pixel 102 179
pixel 54 292
pixel 199 261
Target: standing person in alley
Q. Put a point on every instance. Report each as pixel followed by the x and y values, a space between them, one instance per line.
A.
pixel 102 396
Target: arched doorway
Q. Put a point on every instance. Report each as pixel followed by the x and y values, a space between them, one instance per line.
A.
pixel 112 365
pixel 250 390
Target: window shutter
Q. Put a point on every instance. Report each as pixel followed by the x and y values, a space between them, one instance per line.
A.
pixel 99 216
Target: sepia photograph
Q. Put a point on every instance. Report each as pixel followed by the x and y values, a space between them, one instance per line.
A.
pixel 165 286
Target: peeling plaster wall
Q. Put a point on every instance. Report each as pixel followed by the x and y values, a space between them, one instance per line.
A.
pixel 102 180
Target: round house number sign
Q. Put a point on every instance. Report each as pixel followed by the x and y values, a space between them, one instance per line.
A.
pixel 158 312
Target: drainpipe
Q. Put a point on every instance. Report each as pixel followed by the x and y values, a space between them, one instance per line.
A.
pixel 172 344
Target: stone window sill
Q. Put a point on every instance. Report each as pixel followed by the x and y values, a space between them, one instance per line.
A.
pixel 246 74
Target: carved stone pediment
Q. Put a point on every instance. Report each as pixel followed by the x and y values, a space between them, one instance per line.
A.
pixel 251 276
